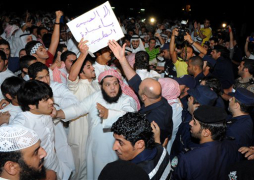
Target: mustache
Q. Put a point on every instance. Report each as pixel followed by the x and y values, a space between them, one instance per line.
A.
pixel 41 162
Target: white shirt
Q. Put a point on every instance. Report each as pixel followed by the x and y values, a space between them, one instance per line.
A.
pixel 44 127
pixel 100 140
pixel 3 75
pixel 13 110
pixel 78 128
pixel 143 73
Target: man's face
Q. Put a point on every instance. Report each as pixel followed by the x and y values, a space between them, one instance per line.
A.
pixel 241 69
pixel 166 54
pixel 3 64
pixel 215 54
pixel 212 44
pixel 22 53
pixel 43 76
pixel 88 71
pixel 32 162
pixel 189 53
pixel 6 50
pixel 44 107
pixel 135 43
pixel 195 128
pixel 207 24
pixel 111 90
pixel 68 62
pixel 128 43
pixel 123 148
pixel 205 46
pixel 190 68
pixel 106 54
pixel 152 44
pixel 43 31
pixel 42 53
pixel 231 104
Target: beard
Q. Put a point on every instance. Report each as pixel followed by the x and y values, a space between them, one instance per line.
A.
pixel 31 173
pixel 109 99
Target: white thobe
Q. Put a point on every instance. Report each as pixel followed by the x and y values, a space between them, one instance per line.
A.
pixel 44 127
pixel 100 141
pixel 63 97
pixel 3 75
pixel 177 119
pixel 13 110
pixel 78 128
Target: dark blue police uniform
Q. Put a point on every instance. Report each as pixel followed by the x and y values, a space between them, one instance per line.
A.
pixel 160 112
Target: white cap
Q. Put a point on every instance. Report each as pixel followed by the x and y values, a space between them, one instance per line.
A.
pixel 16 137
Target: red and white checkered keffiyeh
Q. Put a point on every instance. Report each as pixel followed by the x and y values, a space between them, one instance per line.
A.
pixel 125 88
pixel 170 89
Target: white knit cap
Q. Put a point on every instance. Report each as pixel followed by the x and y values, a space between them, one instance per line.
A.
pixel 16 137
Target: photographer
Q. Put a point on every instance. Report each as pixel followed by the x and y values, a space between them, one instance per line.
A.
pixel 186 53
pixel 249 47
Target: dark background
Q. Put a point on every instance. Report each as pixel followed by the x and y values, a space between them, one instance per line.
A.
pixel 238 13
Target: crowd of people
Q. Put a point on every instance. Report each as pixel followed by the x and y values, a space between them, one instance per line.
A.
pixel 170 100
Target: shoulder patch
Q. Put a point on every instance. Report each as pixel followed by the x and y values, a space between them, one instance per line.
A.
pixel 174 162
pixel 232 175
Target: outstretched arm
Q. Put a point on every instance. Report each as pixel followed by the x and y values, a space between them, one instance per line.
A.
pixel 119 53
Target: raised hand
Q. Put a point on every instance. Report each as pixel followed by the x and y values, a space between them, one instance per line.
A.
pixel 118 51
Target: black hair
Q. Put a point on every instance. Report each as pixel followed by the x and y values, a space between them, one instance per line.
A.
pixel 223 50
pixel 152 39
pixel 36 67
pixel 215 39
pixel 14 156
pixel 88 58
pixel 197 61
pixel 134 127
pixel 31 92
pixel 249 64
pixel 141 60
pixel 46 39
pixel 24 61
pixel 214 83
pixel 11 85
pixel 4 42
pixel 39 30
pixel 30 45
pixel 65 54
pixel 3 55
pixel 218 130
pixel 60 48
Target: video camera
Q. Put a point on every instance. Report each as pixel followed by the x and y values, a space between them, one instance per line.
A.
pixel 182 31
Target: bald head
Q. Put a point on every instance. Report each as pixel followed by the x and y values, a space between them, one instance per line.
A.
pixel 151 88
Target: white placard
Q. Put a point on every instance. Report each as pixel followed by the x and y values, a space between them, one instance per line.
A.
pixel 98 26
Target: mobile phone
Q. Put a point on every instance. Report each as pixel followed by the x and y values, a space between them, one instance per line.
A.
pixel 251 39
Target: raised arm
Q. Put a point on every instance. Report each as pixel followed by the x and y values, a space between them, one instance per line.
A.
pixel 246 48
pixel 172 46
pixel 75 68
pixel 119 53
pixel 56 34
pixel 195 44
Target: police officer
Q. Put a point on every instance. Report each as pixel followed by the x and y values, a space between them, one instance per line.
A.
pixel 211 158
pixel 201 95
pixel 245 71
pixel 240 125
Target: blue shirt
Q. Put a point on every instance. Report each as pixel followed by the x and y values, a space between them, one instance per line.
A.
pixel 241 129
pixel 208 161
